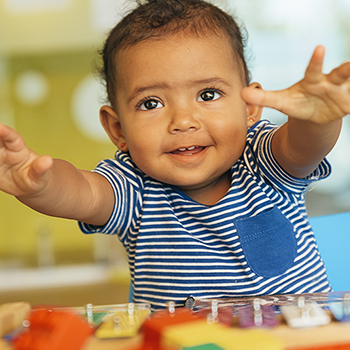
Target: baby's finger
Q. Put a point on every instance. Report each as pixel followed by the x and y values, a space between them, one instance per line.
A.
pixel 340 74
pixel 4 134
pixel 313 73
pixel 263 98
pixel 10 138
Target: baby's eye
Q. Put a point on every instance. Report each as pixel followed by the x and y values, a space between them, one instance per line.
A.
pixel 148 104
pixel 209 95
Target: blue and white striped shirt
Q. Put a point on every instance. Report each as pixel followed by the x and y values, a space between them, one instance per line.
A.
pixel 256 240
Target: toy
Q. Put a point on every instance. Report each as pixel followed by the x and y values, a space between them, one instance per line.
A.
pixel 162 319
pixel 54 330
pixel 215 313
pixel 341 310
pixel 257 315
pixel 12 315
pixel 180 329
pixel 125 321
pixel 304 314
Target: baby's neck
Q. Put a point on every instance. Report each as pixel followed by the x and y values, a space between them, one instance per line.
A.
pixel 212 193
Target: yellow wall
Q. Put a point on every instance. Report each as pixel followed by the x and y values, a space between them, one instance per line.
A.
pixel 60 45
pixel 44 27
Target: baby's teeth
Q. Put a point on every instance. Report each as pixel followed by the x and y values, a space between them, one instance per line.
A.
pixel 189 148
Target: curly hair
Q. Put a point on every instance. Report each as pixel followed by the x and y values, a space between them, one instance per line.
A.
pixel 155 19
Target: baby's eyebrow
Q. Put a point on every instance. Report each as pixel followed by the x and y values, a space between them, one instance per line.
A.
pixel 210 81
pixel 141 89
pixel 159 86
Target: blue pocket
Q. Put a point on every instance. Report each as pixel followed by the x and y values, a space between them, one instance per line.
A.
pixel 268 242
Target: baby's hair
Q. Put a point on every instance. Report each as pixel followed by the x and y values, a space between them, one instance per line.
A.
pixel 155 19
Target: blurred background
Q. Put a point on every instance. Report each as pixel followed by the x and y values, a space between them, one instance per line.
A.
pixel 50 93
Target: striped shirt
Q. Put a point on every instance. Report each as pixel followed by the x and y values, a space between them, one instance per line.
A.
pixel 256 240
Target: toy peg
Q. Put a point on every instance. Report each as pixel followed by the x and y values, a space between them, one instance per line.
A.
pixel 89 314
pixel 257 315
pixel 341 311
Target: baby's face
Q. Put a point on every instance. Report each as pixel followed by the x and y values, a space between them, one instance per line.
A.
pixel 180 109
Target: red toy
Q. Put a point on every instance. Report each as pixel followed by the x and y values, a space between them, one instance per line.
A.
pixel 153 327
pixel 54 330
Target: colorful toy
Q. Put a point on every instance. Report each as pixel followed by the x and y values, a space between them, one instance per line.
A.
pixel 180 329
pixel 304 314
pixel 54 330
pixel 125 321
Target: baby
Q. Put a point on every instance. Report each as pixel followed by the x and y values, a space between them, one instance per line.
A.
pixel 207 199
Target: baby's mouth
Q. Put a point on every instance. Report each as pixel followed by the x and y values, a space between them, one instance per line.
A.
pixel 188 151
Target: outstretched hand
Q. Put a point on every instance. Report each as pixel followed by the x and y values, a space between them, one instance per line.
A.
pixel 318 97
pixel 22 171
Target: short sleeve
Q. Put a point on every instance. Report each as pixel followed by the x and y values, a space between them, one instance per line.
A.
pixel 126 193
pixel 260 145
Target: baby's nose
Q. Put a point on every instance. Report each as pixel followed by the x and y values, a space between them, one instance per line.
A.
pixel 183 121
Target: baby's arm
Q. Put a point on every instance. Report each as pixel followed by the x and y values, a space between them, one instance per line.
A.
pixel 52 187
pixel 315 106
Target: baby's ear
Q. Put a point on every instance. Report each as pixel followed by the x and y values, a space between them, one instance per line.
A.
pixel 110 122
pixel 253 111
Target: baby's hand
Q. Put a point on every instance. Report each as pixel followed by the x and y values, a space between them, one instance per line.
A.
pixel 22 171
pixel 319 98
